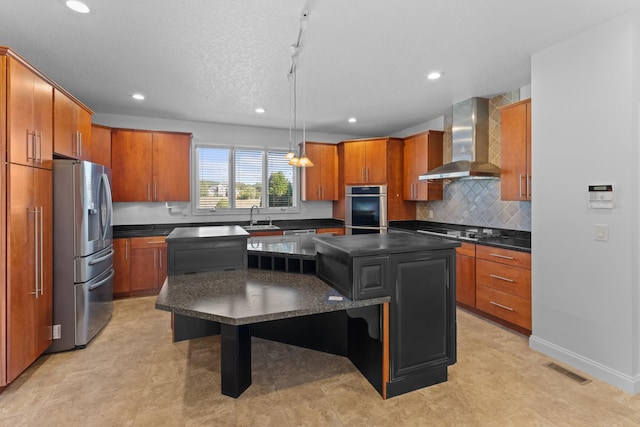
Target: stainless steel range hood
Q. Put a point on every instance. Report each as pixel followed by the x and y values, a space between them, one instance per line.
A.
pixel 470 144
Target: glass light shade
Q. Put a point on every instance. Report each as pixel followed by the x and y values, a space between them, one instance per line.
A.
pixel 290 155
pixel 294 161
pixel 305 162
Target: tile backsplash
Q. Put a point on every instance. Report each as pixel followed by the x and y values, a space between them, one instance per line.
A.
pixel 477 202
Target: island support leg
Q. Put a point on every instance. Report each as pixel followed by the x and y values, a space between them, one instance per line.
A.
pixel 236 359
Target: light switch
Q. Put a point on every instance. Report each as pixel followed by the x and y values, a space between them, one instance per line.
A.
pixel 602 232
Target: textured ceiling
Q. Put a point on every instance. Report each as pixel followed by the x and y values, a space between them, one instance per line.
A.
pixel 216 61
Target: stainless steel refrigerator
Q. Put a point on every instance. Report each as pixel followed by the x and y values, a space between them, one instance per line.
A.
pixel 82 252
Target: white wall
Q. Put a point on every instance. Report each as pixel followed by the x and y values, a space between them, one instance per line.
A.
pixel 433 124
pixel 157 213
pixel 585 118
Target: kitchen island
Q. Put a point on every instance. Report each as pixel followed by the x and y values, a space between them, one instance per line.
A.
pixel 386 301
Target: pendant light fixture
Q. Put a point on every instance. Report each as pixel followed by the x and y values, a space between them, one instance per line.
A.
pixel 303 160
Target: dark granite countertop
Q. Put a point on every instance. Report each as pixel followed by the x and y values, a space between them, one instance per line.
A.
pixel 376 244
pixel 146 230
pixel 243 297
pixel 210 232
pixel 496 237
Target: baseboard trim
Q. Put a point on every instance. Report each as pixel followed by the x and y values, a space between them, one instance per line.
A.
pixel 617 379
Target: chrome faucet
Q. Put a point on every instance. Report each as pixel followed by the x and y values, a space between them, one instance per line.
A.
pixel 251 221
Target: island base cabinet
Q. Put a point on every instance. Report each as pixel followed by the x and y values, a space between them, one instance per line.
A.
pixel 422 320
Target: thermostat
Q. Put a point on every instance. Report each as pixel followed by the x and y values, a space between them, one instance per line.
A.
pixel 600 196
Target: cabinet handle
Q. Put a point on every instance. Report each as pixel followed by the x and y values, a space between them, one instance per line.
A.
pixel 80 144
pixel 500 305
pixel 31 141
pixel 528 186
pixel 36 235
pixel 126 249
pixel 154 260
pixel 155 242
pixel 501 278
pixel 160 257
pixel 39 145
pixel 149 191
pixel 501 256
pixel 367 169
pixel 41 252
pixel 362 174
pixel 520 186
pixel 155 190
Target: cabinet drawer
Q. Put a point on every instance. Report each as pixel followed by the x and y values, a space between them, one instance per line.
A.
pixel 468 249
pixel 504 256
pixel 513 280
pixel 511 308
pixel 148 242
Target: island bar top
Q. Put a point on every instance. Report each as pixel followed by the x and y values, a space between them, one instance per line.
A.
pixel 378 244
pixel 251 296
pixel 213 232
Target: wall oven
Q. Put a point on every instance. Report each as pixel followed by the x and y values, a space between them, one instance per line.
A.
pixel 366 209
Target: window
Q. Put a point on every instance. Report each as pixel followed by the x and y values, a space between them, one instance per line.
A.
pixel 238 178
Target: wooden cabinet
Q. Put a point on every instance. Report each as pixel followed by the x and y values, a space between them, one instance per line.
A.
pixel 335 231
pixel 422 152
pixel 466 274
pixel 365 161
pixel 515 151
pixel 140 265
pixel 71 127
pixel 150 166
pixel 122 267
pixel 320 182
pixel 374 161
pixel 29 109
pixel 29 266
pixel 148 263
pixel 422 315
pixel 101 145
pixel 503 284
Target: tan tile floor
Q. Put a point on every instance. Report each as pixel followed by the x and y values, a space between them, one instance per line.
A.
pixel 132 375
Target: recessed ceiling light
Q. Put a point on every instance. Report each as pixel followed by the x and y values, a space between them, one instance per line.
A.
pixel 434 75
pixel 259 110
pixel 352 120
pixel 138 96
pixel 77 6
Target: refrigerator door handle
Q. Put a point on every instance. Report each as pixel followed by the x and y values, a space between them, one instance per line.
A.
pixel 103 281
pixel 102 258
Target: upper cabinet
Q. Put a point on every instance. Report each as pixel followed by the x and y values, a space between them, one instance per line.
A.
pixel 72 127
pixel 150 166
pixel 320 182
pixel 101 145
pixel 422 152
pixel 515 143
pixel 365 161
pixel 29 116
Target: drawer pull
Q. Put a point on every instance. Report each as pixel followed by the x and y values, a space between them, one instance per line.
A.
pixel 501 278
pixel 157 242
pixel 501 256
pixel 500 305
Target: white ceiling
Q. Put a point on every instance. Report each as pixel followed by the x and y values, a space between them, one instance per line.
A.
pixel 216 61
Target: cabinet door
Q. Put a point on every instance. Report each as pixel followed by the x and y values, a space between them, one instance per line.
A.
pixel 21 286
pixel 162 265
pixel 144 269
pixel 101 145
pixel 29 117
pixel 121 265
pixel 66 140
pixel 409 168
pixel 131 166
pixel 428 155
pixel 422 313
pixel 376 162
pixel 515 149
pixel 329 170
pixel 84 130
pixel 466 280
pixel 354 162
pixel 171 167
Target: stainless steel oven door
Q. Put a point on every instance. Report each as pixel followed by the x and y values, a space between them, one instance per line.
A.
pixel 366 210
pixel 94 305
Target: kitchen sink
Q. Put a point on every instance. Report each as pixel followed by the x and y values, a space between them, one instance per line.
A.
pixel 260 227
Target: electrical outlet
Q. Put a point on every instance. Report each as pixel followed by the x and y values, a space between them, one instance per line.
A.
pixel 57 332
pixel 430 213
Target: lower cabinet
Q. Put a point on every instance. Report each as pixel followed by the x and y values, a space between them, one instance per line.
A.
pixel 140 264
pixel 422 320
pixel 466 274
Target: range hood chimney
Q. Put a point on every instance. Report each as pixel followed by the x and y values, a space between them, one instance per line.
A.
pixel 470 144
